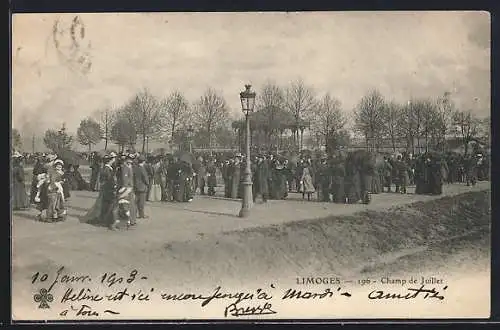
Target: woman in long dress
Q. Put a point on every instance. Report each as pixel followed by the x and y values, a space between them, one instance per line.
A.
pixel 93 216
pixel 155 192
pixel 306 182
pixel 19 196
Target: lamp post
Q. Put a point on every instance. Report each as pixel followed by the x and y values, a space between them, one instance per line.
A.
pixel 190 131
pixel 247 98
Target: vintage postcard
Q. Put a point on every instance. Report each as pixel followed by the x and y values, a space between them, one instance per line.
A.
pixel 250 165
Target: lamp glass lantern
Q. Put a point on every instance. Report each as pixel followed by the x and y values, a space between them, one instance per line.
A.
pixel 247 98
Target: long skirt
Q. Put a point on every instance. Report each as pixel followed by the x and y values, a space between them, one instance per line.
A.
pixel 155 193
pixel 93 216
pixel 55 209
pixel 307 185
pixel 19 197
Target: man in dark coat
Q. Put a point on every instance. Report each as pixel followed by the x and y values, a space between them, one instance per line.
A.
pixel 338 175
pixel 299 169
pixel 186 182
pixel 125 178
pixel 211 177
pixel 471 170
pixel 260 179
pixel 95 164
pixel 387 174
pixel 226 170
pixel 324 180
pixel 201 175
pixel 141 184
pixel 236 178
pixel 435 177
pixel 172 173
pixel 402 172
pixel 421 186
pixel 148 165
pixel 108 191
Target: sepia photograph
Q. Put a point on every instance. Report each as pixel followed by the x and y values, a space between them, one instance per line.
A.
pixel 250 165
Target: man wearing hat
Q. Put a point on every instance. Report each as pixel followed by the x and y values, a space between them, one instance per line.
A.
pixel 95 168
pixel 125 179
pixel 236 177
pixel 211 177
pixel 260 179
pixel 141 183
pixel 108 186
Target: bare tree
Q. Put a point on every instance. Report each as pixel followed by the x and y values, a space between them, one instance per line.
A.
pixel 443 124
pixel 430 120
pixel 369 117
pixel 327 119
pixel 144 112
pixel 300 100
pixel 211 113
pixel 391 115
pixel 174 113
pixel 467 126
pixel 270 105
pixel 106 118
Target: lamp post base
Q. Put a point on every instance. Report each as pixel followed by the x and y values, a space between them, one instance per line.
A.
pixel 247 200
pixel 244 213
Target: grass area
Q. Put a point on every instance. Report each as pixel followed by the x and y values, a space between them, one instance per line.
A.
pixel 333 244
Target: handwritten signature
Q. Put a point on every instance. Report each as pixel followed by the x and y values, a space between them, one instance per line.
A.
pixel 236 311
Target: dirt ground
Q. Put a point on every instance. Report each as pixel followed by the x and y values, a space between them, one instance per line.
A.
pixel 197 244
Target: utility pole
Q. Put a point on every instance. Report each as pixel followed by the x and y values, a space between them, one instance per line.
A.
pixel 33 143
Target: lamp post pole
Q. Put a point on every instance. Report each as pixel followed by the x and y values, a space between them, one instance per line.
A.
pixel 247 101
pixel 247 200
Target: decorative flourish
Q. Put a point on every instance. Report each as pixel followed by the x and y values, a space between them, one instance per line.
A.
pixel 43 297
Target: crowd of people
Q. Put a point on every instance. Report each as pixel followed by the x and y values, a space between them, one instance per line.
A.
pixel 127 180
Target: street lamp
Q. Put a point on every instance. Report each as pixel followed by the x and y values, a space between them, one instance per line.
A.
pixel 190 131
pixel 247 98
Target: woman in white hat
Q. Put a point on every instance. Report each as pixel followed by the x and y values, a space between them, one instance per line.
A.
pixel 19 197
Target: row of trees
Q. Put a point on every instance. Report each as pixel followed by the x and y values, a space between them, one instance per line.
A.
pixel 423 123
pixel 171 119
pixel 282 115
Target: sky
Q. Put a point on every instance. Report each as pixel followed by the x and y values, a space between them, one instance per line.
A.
pixel 403 54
